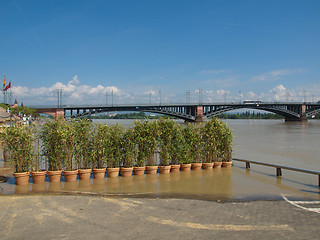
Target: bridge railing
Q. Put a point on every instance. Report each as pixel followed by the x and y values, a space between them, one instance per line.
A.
pixel 278 168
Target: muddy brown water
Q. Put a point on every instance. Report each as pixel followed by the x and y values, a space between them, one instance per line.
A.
pixel 272 141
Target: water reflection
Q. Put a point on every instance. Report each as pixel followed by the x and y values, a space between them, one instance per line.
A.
pixel 55 187
pixel 39 188
pixel 216 184
pixel 85 185
pixel 98 185
pixel 70 186
pixel 22 189
pixel 190 183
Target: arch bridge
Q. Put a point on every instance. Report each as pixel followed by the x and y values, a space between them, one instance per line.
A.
pixel 191 112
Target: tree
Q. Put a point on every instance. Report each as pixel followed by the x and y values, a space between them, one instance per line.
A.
pixel 24 111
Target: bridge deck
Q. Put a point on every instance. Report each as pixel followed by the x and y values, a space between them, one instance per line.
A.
pixel 193 112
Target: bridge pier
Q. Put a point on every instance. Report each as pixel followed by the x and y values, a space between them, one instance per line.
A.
pixel 302 119
pixel 303 115
pixel 199 114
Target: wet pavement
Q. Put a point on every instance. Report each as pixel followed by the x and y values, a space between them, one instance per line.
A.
pixel 92 217
pixel 224 203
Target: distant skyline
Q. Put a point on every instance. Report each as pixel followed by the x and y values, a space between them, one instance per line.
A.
pixel 141 51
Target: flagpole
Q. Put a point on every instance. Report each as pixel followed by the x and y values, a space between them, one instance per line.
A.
pixel 4 84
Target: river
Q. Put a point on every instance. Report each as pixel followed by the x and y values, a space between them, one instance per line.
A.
pixel 292 144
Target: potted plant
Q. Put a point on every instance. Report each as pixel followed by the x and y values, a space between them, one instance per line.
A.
pixel 146 135
pixel 52 143
pixel 99 150
pixel 37 173
pixel 209 134
pixel 176 149
pixel 114 150
pixel 166 136
pixel 83 148
pixel 68 135
pixel 139 163
pixel 129 152
pixel 185 155
pixel 19 142
pixel 193 139
pixel 226 145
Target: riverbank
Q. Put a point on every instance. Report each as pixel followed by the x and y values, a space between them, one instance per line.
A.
pixel 85 217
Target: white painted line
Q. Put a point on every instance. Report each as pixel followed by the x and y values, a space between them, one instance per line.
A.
pixel 306 202
pixel 316 210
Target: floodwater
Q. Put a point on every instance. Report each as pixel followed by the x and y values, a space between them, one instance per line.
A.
pixel 271 141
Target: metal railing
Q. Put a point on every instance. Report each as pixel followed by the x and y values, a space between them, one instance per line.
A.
pixel 278 168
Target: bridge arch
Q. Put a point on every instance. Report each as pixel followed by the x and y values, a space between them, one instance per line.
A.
pixel 164 112
pixel 287 114
pixel 54 112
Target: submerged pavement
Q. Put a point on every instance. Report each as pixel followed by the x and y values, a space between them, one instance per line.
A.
pixel 96 217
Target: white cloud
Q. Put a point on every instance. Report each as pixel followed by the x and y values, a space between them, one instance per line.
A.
pixel 279 89
pixel 276 74
pixel 152 92
pixel 250 95
pixel 282 72
pixel 74 81
pixel 112 89
pixel 279 93
pixel 21 91
pixel 72 93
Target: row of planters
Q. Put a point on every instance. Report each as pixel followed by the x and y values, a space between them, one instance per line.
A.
pixel 79 148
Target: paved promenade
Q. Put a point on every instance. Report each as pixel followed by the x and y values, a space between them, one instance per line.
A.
pixel 97 217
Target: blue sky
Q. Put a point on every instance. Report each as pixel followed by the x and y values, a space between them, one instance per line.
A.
pixel 229 49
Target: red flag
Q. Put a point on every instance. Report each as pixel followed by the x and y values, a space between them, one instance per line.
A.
pixel 8 86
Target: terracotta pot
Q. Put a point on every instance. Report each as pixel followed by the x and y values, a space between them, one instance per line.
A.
pixel 164 169
pixel 113 172
pixel 70 176
pixel 227 164
pixel 99 173
pixel 138 171
pixel 185 167
pixel 175 168
pixel 151 169
pixel 207 166
pixel 217 164
pixel 84 174
pixel 196 166
pixel 21 178
pixel 126 172
pixel 38 177
pixel 54 176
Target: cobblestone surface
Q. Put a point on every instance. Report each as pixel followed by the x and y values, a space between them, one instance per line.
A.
pixel 96 217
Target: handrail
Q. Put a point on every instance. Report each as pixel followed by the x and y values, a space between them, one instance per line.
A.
pixel 278 168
